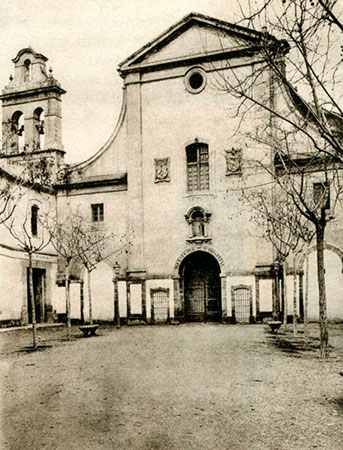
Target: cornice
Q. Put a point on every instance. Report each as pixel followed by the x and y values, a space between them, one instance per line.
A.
pixel 31 92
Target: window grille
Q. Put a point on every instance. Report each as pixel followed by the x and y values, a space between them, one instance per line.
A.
pixel 34 220
pixel 98 212
pixel 242 303
pixel 160 304
pixel 321 195
pixel 198 167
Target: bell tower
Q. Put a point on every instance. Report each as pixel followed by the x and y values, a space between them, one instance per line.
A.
pixel 32 113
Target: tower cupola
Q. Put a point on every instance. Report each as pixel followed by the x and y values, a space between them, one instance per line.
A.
pixel 31 112
pixel 31 106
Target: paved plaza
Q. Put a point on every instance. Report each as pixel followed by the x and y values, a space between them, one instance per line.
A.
pixel 196 386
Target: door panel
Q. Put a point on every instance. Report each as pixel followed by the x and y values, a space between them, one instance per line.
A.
pixel 38 280
pixel 195 300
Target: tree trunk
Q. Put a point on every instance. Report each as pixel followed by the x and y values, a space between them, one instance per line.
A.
pixel 277 294
pixel 285 301
pixel 90 297
pixel 323 320
pixel 306 299
pixel 294 297
pixel 82 303
pixel 67 291
pixel 33 305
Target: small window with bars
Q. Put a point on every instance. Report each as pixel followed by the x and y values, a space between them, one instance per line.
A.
pixel 34 220
pixel 198 167
pixel 160 304
pixel 98 212
pixel 321 195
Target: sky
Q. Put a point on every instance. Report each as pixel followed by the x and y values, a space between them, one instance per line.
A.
pixel 85 40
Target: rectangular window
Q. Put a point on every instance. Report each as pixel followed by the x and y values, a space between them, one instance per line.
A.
pixel 321 195
pixel 198 167
pixel 98 212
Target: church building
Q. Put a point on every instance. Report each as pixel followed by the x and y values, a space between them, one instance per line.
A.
pixel 167 183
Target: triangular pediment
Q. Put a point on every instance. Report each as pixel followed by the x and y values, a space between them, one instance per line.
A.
pixel 194 36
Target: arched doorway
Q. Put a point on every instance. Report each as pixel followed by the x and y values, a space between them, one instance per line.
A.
pixel 200 282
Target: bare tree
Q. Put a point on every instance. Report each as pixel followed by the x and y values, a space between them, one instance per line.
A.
pixel 19 179
pixel 286 229
pixel 77 241
pixel 26 228
pixel 65 235
pixel 12 189
pixel 294 88
pixel 94 248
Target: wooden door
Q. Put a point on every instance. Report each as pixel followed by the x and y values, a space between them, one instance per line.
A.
pixel 202 293
pixel 38 279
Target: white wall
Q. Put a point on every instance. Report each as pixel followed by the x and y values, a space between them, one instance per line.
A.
pixel 12 289
pixel 290 295
pixel 334 286
pixel 102 293
pixel 266 296
pixel 122 294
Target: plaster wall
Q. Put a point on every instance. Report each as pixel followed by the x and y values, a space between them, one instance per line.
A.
pixel 122 295
pixel 115 217
pixel 266 295
pixel 112 158
pixel 173 118
pixel 333 284
pixel 290 295
pixel 13 291
pixel 102 294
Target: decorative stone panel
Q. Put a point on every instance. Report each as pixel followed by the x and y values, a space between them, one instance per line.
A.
pixel 162 170
pixel 233 159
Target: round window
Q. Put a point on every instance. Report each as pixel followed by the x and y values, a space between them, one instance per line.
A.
pixel 195 81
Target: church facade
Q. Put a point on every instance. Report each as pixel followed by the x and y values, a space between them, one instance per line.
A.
pixel 167 182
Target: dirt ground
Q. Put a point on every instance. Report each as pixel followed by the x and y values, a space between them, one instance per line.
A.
pixel 183 387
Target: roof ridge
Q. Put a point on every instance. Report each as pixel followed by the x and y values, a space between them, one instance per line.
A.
pixel 186 19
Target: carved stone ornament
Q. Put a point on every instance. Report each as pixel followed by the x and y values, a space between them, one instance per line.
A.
pixel 198 220
pixel 233 161
pixel 62 175
pixel 162 170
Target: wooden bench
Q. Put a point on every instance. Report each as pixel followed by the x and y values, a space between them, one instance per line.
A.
pixel 89 330
pixel 274 326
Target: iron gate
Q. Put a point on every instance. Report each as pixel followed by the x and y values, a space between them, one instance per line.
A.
pixel 242 304
pixel 160 304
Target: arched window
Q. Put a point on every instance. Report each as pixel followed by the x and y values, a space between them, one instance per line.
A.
pixel 197 167
pixel 38 117
pixel 27 70
pixel 34 220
